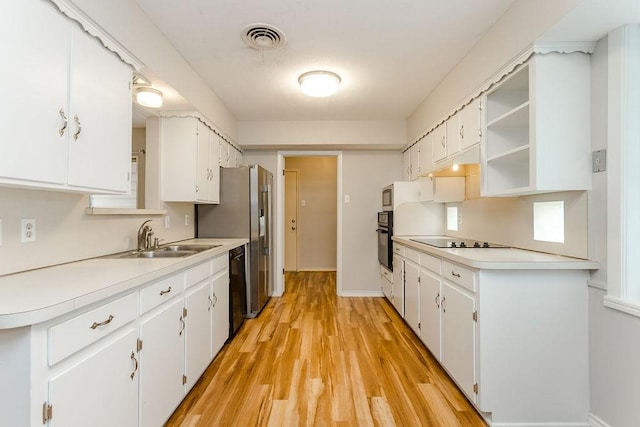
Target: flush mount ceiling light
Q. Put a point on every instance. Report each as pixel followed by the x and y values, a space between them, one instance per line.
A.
pixel 319 83
pixel 149 97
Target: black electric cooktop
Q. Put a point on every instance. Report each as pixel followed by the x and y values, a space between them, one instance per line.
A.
pixel 456 243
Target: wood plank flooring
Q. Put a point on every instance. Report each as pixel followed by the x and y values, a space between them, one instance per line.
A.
pixel 314 359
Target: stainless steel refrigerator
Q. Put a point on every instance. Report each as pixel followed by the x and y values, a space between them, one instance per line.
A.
pixel 244 211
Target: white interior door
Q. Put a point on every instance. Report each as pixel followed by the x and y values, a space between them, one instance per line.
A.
pixel 291 220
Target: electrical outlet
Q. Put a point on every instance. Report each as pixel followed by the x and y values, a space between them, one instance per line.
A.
pixel 347 198
pixel 187 220
pixel 28 230
pixel 459 219
pixel 167 221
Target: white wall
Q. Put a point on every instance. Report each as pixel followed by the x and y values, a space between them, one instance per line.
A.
pixel 323 135
pixel 364 173
pixel 614 336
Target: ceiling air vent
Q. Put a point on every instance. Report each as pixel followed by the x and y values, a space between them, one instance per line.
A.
pixel 263 37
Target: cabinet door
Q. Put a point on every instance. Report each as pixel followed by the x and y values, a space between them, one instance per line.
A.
pixel 458 337
pixel 406 165
pixel 101 390
pixel 452 135
pixel 220 311
pixel 469 125
pixel 198 332
pixel 100 117
pixel 415 161
pixel 36 47
pixel 179 146
pixel 426 154
pixel 224 153
pixel 412 295
pixel 203 170
pixel 430 312
pixel 398 284
pixel 161 363
pixel 440 142
pixel 214 168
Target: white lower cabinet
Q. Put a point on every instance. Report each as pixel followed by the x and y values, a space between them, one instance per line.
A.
pixel 503 335
pixel 219 311
pixel 198 303
pixel 162 362
pixel 430 311
pixel 458 337
pixel 100 390
pixel 397 298
pixel 126 361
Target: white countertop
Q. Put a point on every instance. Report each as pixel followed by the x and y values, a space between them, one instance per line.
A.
pixel 34 296
pixel 500 258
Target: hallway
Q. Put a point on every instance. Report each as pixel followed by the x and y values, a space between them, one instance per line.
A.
pixel 314 359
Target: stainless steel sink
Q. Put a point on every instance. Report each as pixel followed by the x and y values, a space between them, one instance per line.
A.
pixel 178 248
pixel 167 251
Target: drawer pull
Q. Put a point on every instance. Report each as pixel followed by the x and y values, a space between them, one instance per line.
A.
pixel 216 301
pixel 183 325
pixel 454 274
pixel 104 322
pixel 165 292
pixel 438 300
pixel 135 369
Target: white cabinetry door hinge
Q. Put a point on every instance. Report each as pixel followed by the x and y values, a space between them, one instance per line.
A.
pixel 475 388
pixel 419 325
pixel 475 316
pixel 139 345
pixel 184 379
pixel 184 311
pixel 47 412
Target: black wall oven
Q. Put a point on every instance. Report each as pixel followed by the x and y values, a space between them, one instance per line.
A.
pixel 385 232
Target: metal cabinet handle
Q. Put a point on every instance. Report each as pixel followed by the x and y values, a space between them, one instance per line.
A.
pixel 437 299
pixel 210 303
pixel 65 119
pixel 454 274
pixel 77 134
pixel 444 309
pixel 104 322
pixel 443 141
pixel 168 289
pixel 135 369
pixel 216 301
pixel 182 324
pixel 462 131
pixel 293 228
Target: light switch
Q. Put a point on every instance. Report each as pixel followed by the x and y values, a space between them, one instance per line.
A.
pixel 599 159
pixel 347 199
pixel 303 203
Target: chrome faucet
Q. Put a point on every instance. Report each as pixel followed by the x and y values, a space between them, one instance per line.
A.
pixel 144 236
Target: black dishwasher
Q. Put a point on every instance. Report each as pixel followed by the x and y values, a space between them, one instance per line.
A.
pixel 237 290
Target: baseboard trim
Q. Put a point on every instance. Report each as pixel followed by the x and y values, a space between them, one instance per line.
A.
pixel 594 421
pixel 310 270
pixel 549 424
pixel 361 294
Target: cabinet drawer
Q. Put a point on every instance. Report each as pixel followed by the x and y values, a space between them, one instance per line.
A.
pixel 221 262
pixel 398 249
pixel 198 273
pixel 412 255
pixel 430 262
pixel 460 275
pixel 388 275
pixel 160 291
pixel 78 332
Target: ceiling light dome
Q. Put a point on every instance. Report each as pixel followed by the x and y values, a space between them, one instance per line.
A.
pixel 319 83
pixel 149 97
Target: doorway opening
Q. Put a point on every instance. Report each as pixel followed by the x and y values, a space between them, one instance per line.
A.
pixel 309 214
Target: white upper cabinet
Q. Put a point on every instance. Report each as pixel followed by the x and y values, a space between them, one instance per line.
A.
pixel 440 142
pixel 426 154
pixel 537 128
pixel 470 125
pixel 189 170
pixel 451 140
pixel 442 189
pixel 68 125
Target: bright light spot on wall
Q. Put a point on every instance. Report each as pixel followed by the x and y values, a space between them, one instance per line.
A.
pixel 548 221
pixel 452 218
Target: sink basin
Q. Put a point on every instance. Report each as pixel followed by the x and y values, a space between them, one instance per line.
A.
pixel 179 248
pixel 157 253
pixel 168 251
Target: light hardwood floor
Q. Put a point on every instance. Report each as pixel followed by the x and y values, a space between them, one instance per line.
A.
pixel 314 359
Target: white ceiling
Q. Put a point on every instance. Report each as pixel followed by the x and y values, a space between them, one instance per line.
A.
pixel 390 54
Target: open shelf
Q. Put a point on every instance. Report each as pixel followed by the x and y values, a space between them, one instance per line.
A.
pixel 507 172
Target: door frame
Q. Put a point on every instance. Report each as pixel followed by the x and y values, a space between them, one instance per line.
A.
pixel 279 276
pixel 284 243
